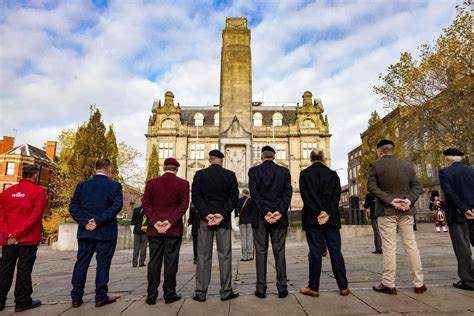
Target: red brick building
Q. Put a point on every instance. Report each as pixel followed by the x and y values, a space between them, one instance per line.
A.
pixel 12 160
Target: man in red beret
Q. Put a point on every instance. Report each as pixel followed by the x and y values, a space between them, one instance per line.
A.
pixel 165 202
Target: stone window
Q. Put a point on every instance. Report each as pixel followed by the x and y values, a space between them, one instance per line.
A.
pixel 308 124
pixel 10 169
pixel 257 151
pixel 216 119
pixel 214 146
pixel 197 151
pixel 198 119
pixel 280 151
pixel 307 148
pixel 168 124
pixel 277 119
pixel 166 150
pixel 257 119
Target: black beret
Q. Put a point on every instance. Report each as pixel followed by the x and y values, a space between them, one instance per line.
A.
pixel 216 153
pixel 268 148
pixel 384 142
pixel 453 152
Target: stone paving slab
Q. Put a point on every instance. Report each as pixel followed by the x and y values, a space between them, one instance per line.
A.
pixel 331 303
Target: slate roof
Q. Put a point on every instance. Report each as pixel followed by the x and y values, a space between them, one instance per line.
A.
pixel 29 151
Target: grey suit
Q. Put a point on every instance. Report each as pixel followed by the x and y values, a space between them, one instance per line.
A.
pixel 391 178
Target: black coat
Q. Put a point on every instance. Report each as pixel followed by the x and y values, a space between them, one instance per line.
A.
pixel 215 190
pixel 137 219
pixel 320 190
pixel 369 204
pixel 194 219
pixel 270 189
pixel 245 213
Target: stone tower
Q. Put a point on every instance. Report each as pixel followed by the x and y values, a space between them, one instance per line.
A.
pixel 235 113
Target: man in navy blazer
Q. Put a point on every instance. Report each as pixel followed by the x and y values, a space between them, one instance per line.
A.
pixel 94 206
pixel 457 183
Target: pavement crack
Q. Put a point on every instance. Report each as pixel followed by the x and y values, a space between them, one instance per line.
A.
pixel 300 304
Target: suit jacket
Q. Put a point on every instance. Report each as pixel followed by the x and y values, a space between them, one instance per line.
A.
pixel 270 190
pixel 215 190
pixel 21 213
pixel 137 220
pixel 457 183
pixel 320 190
pixel 389 178
pixel 245 210
pixel 166 198
pixel 194 219
pixel 101 199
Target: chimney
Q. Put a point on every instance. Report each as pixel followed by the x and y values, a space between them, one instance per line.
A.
pixel 6 144
pixel 51 150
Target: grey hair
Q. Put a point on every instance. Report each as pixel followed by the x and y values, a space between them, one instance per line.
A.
pixel 453 158
pixel 170 168
pixel 387 149
pixel 268 154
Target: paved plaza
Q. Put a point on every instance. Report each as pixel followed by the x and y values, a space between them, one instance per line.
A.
pixel 52 273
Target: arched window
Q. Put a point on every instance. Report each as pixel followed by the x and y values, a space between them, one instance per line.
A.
pixel 216 119
pixel 198 119
pixel 308 124
pixel 277 119
pixel 257 119
pixel 167 123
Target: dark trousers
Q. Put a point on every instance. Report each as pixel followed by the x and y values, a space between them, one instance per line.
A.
pixel 23 257
pixel 315 238
pixel 377 238
pixel 277 233
pixel 195 246
pixel 140 241
pixel 104 250
pixel 167 248
pixel 461 238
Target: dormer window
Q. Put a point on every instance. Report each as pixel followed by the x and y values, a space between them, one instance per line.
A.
pixel 198 119
pixel 257 119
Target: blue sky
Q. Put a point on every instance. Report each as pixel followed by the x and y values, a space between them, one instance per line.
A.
pixel 58 57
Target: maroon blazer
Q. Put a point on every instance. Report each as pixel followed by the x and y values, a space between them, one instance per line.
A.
pixel 166 198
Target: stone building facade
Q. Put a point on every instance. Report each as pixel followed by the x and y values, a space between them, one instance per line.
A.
pixel 238 126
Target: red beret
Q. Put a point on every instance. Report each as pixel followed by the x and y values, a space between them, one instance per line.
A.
pixel 171 161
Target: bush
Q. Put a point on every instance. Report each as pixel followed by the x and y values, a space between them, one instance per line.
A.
pixel 297 224
pixel 51 223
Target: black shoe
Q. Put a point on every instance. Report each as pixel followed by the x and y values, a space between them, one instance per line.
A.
pixel 260 294
pixel 2 307
pixel 134 265
pixel 230 297
pixel 142 265
pixel 107 301
pixel 195 261
pixel 150 301
pixel 243 259
pixel 377 251
pixel 173 299
pixel 282 294
pixel 199 298
pixel 33 304
pixel 462 286
pixel 76 304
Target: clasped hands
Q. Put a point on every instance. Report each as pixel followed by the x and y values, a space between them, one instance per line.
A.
pixel 91 225
pixel 12 240
pixel 162 227
pixel 401 204
pixel 323 218
pixel 469 214
pixel 214 219
pixel 272 218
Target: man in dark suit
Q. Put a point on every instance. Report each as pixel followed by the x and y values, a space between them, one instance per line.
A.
pixel 320 190
pixel 94 206
pixel 214 193
pixel 165 201
pixel 194 220
pixel 396 187
pixel 457 183
pixel 270 190
pixel 140 239
pixel 369 205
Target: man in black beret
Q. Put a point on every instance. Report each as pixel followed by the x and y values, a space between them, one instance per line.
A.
pixel 270 190
pixel 215 193
pixel 457 183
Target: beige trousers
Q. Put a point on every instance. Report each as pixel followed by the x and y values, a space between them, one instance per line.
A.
pixel 388 226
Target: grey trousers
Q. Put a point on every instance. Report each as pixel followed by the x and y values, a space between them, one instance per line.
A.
pixel 246 241
pixel 377 239
pixel 204 259
pixel 460 237
pixel 140 242
pixel 277 233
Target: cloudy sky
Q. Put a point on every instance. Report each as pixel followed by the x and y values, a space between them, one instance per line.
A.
pixel 58 57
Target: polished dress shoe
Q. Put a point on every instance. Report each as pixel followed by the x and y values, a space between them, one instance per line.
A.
pixel 172 299
pixel 33 304
pixel 230 297
pixel 282 294
pixel 142 265
pixel 385 289
pixel 462 286
pixel 345 292
pixel 309 292
pixel 377 251
pixel 76 304
pixel 420 290
pixel 150 301
pixel 107 301
pixel 198 298
pixel 260 294
pixel 2 307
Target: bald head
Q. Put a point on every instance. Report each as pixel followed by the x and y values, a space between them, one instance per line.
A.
pixel 316 155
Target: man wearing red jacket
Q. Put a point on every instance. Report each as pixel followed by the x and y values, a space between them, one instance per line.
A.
pixel 165 202
pixel 21 213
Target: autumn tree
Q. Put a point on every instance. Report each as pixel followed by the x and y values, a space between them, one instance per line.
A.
pixel 112 152
pixel 130 172
pixel 153 165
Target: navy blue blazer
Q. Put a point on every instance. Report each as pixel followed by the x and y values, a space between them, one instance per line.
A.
pixel 101 199
pixel 457 183
pixel 270 189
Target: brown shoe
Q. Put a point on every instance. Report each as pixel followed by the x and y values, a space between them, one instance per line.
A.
pixel 345 292
pixel 420 290
pixel 385 289
pixel 309 292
